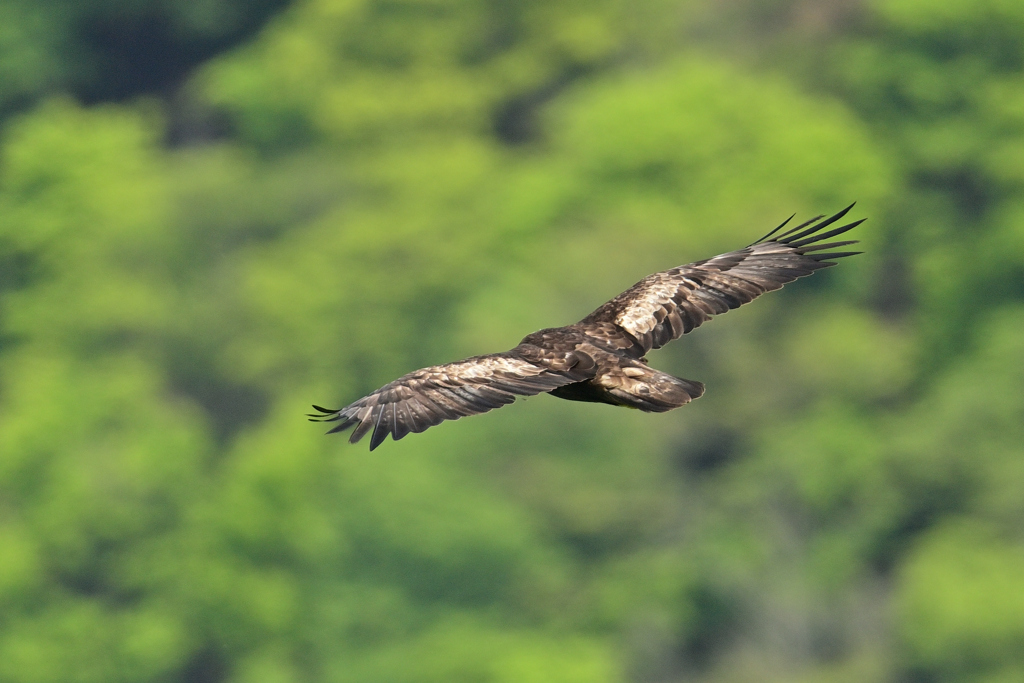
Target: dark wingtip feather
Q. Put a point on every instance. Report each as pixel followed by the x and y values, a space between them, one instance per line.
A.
pixel 380 430
pixel 829 245
pixel 781 226
pixel 780 238
pixel 378 438
pixel 322 416
pixel 790 238
pixel 817 237
pixel 360 431
pixel 342 427
pixel 822 258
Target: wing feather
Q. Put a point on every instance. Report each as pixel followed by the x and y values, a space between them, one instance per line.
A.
pixel 666 305
pixel 427 397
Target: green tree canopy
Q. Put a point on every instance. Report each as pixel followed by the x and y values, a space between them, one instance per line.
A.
pixel 190 254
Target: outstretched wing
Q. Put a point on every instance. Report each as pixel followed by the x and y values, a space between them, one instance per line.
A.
pixel 475 385
pixel 666 305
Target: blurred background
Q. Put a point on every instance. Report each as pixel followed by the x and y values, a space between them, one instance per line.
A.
pixel 214 213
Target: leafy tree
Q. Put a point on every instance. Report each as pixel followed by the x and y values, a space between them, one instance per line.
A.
pixel 394 184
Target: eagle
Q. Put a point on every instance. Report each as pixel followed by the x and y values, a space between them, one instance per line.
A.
pixel 602 358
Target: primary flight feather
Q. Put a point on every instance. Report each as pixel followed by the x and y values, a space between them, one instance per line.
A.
pixel 600 358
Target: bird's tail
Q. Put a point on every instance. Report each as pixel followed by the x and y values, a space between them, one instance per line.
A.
pixel 652 391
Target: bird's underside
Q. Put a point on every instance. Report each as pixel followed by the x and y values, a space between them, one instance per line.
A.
pixel 601 358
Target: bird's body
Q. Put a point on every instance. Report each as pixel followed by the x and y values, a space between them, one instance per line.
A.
pixel 601 358
pixel 618 377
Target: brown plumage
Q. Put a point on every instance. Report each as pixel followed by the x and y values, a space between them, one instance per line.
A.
pixel 600 358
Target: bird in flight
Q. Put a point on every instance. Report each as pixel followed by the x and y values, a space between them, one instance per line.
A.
pixel 601 358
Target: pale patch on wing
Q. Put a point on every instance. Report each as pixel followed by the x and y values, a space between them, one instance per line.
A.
pixel 648 307
pixel 666 305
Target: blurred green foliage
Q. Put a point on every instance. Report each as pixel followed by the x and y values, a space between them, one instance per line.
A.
pixel 248 220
